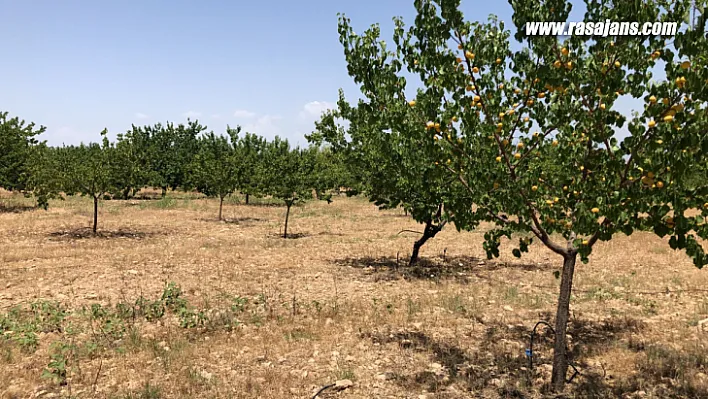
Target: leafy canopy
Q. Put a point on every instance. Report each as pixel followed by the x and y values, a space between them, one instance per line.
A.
pixel 382 151
pixel 21 153
pixel 216 170
pixel 88 169
pixel 535 135
pixel 291 174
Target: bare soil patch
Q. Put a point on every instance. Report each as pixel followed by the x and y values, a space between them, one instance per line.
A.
pixel 87 232
pixel 169 303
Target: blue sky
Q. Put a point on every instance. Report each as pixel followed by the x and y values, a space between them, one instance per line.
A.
pixel 272 66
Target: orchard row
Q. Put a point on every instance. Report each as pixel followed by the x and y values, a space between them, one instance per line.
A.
pixel 178 157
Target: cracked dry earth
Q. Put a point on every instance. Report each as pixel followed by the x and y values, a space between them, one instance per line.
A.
pixel 167 302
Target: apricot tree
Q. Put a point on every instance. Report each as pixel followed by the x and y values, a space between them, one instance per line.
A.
pixel 216 170
pixel 171 151
pixel 536 134
pixel 24 165
pixel 250 149
pixel 90 170
pixel 291 175
pixel 388 156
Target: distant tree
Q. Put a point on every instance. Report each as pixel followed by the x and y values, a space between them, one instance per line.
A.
pixel 334 173
pixel 290 175
pixel 89 170
pixel 249 149
pixel 171 151
pixel 43 179
pixel 216 170
pixel 133 160
pixel 22 158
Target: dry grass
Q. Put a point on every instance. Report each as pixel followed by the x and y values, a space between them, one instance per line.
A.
pixel 254 315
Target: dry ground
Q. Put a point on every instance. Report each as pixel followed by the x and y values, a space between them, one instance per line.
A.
pixel 249 314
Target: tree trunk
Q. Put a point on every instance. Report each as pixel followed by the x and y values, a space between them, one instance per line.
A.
pixel 247 198
pixel 560 359
pixel 221 205
pixel 164 192
pixel 429 232
pixel 95 214
pixel 287 215
pixel 416 250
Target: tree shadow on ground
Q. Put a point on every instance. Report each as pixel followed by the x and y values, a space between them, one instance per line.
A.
pixel 16 208
pixel 242 220
pixel 451 364
pixel 290 235
pixel 145 197
pixel 500 362
pixel 239 220
pixel 458 267
pixel 87 233
pixel 330 233
pixel 262 204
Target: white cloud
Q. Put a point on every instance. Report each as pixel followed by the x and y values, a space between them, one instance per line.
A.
pixel 314 109
pixel 192 114
pixel 242 113
pixel 265 125
pixel 71 135
pixel 140 115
